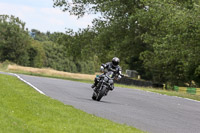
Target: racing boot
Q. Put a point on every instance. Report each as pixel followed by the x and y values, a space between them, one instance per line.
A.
pixel 95 83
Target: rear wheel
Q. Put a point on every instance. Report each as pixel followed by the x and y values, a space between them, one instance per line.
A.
pixel 101 93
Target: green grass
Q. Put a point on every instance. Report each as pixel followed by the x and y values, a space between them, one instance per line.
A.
pixel 164 92
pixel 24 110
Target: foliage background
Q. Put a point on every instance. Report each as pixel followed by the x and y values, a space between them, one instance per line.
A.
pixel 158 38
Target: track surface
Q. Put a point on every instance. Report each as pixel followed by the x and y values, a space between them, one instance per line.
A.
pixel 147 111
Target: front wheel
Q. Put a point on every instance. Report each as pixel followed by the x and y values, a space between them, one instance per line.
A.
pixel 101 93
pixel 94 96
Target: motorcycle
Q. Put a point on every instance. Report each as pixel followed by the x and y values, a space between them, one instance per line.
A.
pixel 105 84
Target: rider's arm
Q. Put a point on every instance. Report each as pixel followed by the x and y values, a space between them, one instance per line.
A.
pixel 119 73
pixel 103 66
pixel 119 70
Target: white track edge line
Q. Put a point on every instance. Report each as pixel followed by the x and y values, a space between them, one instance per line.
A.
pixel 175 96
pixel 168 95
pixel 28 83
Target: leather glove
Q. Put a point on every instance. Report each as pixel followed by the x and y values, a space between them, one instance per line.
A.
pixel 102 68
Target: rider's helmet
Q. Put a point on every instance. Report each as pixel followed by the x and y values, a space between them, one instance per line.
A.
pixel 115 61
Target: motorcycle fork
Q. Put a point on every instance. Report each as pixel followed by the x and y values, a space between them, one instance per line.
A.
pixel 99 85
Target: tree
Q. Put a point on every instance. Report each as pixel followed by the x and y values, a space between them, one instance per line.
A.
pixel 158 38
pixel 14 40
pixel 173 36
pixel 116 34
pixel 36 54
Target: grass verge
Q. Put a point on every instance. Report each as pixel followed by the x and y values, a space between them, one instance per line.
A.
pixel 164 92
pixel 25 110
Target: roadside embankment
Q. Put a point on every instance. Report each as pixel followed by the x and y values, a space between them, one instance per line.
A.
pixel 49 72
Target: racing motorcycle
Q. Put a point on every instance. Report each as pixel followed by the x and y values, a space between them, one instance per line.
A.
pixel 105 84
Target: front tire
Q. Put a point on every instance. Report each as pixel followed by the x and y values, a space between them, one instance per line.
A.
pixel 101 93
pixel 94 96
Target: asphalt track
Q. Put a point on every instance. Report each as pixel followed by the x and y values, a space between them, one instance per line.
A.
pixel 147 111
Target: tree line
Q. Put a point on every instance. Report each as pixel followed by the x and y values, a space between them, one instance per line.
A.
pixel 159 39
pixel 36 49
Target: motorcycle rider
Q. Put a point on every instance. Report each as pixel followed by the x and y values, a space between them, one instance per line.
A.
pixel 110 66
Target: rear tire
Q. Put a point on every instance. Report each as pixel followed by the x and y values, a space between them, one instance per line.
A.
pixel 101 94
